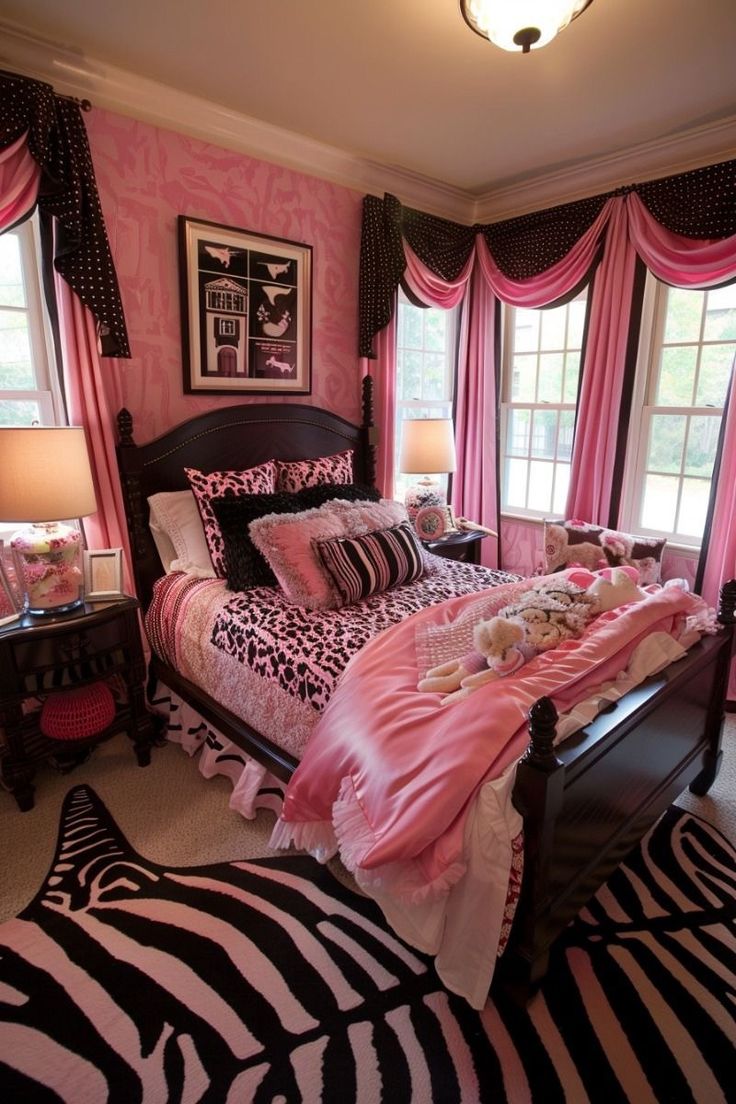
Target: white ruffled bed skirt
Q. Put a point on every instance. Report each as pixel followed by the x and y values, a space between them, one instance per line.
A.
pixel 254 787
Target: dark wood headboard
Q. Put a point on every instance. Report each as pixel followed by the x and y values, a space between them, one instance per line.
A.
pixel 229 437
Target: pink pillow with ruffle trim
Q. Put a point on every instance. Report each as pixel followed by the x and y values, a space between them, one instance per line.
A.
pixel 258 480
pixel 295 475
pixel 287 541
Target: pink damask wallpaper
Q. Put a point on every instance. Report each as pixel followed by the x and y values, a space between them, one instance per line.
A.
pixel 146 177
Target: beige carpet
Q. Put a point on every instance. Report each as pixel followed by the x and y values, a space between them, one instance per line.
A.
pixel 172 816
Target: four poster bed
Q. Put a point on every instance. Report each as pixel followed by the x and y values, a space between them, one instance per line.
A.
pixel 585 802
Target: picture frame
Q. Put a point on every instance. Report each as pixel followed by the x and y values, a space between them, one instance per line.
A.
pixel 11 586
pixel 103 574
pixel 246 310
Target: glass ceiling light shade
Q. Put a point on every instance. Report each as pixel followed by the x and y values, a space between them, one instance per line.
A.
pixel 45 479
pixel 520 24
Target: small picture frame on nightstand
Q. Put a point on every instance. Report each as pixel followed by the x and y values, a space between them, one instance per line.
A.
pixel 103 574
pixel 11 586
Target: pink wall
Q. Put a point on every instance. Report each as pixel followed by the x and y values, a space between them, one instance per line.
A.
pixel 148 176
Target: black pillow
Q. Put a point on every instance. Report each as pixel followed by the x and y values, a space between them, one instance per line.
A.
pixel 245 567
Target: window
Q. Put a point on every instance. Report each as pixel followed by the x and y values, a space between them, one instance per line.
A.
pixel 425 371
pixel 26 391
pixel 684 366
pixel 539 395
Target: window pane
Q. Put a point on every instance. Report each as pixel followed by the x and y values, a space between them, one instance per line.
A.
pixel 540 486
pixel 12 291
pixel 720 314
pixel 544 433
pixel 526 330
pixel 684 313
pixel 676 376
pixel 715 367
pixel 15 412
pixel 16 368
pixel 517 437
pixel 550 377
pixel 576 323
pixel 553 328
pixel 434 376
pixel 702 442
pixel 524 379
pixel 693 507
pixel 435 329
pixel 666 442
pixel 660 502
pixel 572 375
pixel 515 472
pixel 409 371
pixel 562 483
pixel 566 433
pixel 410 327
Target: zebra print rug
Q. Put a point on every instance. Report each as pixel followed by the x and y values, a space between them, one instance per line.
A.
pixel 270 981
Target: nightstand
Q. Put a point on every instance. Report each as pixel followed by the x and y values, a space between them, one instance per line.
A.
pixel 460 545
pixel 44 655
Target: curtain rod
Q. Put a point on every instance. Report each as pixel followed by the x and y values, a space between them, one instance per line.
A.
pixel 83 105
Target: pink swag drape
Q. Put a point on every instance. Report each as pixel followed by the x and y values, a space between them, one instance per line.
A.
pixel 19 179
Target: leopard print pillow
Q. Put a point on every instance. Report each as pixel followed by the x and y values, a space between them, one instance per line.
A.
pixel 294 475
pixel 258 480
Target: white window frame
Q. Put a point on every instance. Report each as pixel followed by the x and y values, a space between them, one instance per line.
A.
pixel 507 406
pixel 428 408
pixel 47 392
pixel 643 409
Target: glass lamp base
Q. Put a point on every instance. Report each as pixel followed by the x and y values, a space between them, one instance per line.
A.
pixel 426 492
pixel 50 561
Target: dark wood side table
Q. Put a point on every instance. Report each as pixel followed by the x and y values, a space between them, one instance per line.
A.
pixel 43 655
pixel 460 545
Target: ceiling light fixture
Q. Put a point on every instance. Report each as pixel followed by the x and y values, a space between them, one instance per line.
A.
pixel 520 24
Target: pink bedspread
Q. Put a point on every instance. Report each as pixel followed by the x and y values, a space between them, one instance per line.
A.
pixel 391 775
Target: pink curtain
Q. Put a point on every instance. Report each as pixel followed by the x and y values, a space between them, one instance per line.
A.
pixel 87 406
pixel 19 177
pixel 383 370
pixel 597 423
pixel 430 288
pixel 475 483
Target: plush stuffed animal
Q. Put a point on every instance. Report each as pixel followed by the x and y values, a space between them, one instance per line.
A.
pixel 542 617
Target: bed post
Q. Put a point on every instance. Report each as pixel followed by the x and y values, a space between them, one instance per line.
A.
pixel 714 720
pixel 538 791
pixel 129 468
pixel 370 433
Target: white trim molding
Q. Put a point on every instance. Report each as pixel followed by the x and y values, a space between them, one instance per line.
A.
pixel 74 74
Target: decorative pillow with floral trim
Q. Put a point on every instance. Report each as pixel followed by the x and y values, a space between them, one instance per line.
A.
pixel 294 475
pixel 258 480
pixel 567 543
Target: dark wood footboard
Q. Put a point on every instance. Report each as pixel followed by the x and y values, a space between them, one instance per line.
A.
pixel 588 802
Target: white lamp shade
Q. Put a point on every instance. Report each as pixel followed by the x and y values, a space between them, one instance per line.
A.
pixel 427 446
pixel 45 474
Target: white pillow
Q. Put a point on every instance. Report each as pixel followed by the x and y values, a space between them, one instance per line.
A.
pixel 177 529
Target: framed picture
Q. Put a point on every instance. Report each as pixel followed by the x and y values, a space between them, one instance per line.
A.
pixel 103 574
pixel 11 586
pixel 246 308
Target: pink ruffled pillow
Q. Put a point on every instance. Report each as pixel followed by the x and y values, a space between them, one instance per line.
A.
pixel 295 475
pixel 258 480
pixel 289 544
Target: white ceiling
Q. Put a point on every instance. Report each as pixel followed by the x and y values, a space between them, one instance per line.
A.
pixel 406 84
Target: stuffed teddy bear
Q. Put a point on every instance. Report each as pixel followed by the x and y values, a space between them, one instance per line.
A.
pixel 539 619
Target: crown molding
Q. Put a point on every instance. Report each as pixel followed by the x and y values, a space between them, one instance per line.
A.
pixel 73 74
pixel 124 92
pixel 690 149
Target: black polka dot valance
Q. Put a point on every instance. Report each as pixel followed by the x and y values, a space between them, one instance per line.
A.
pixel 57 140
pixel 698 204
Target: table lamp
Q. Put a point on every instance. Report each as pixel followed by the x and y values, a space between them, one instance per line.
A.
pixel 45 479
pixel 427 448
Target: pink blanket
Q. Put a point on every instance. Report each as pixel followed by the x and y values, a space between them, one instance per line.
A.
pixel 390 775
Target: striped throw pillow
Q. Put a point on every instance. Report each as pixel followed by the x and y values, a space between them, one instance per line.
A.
pixel 369 564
